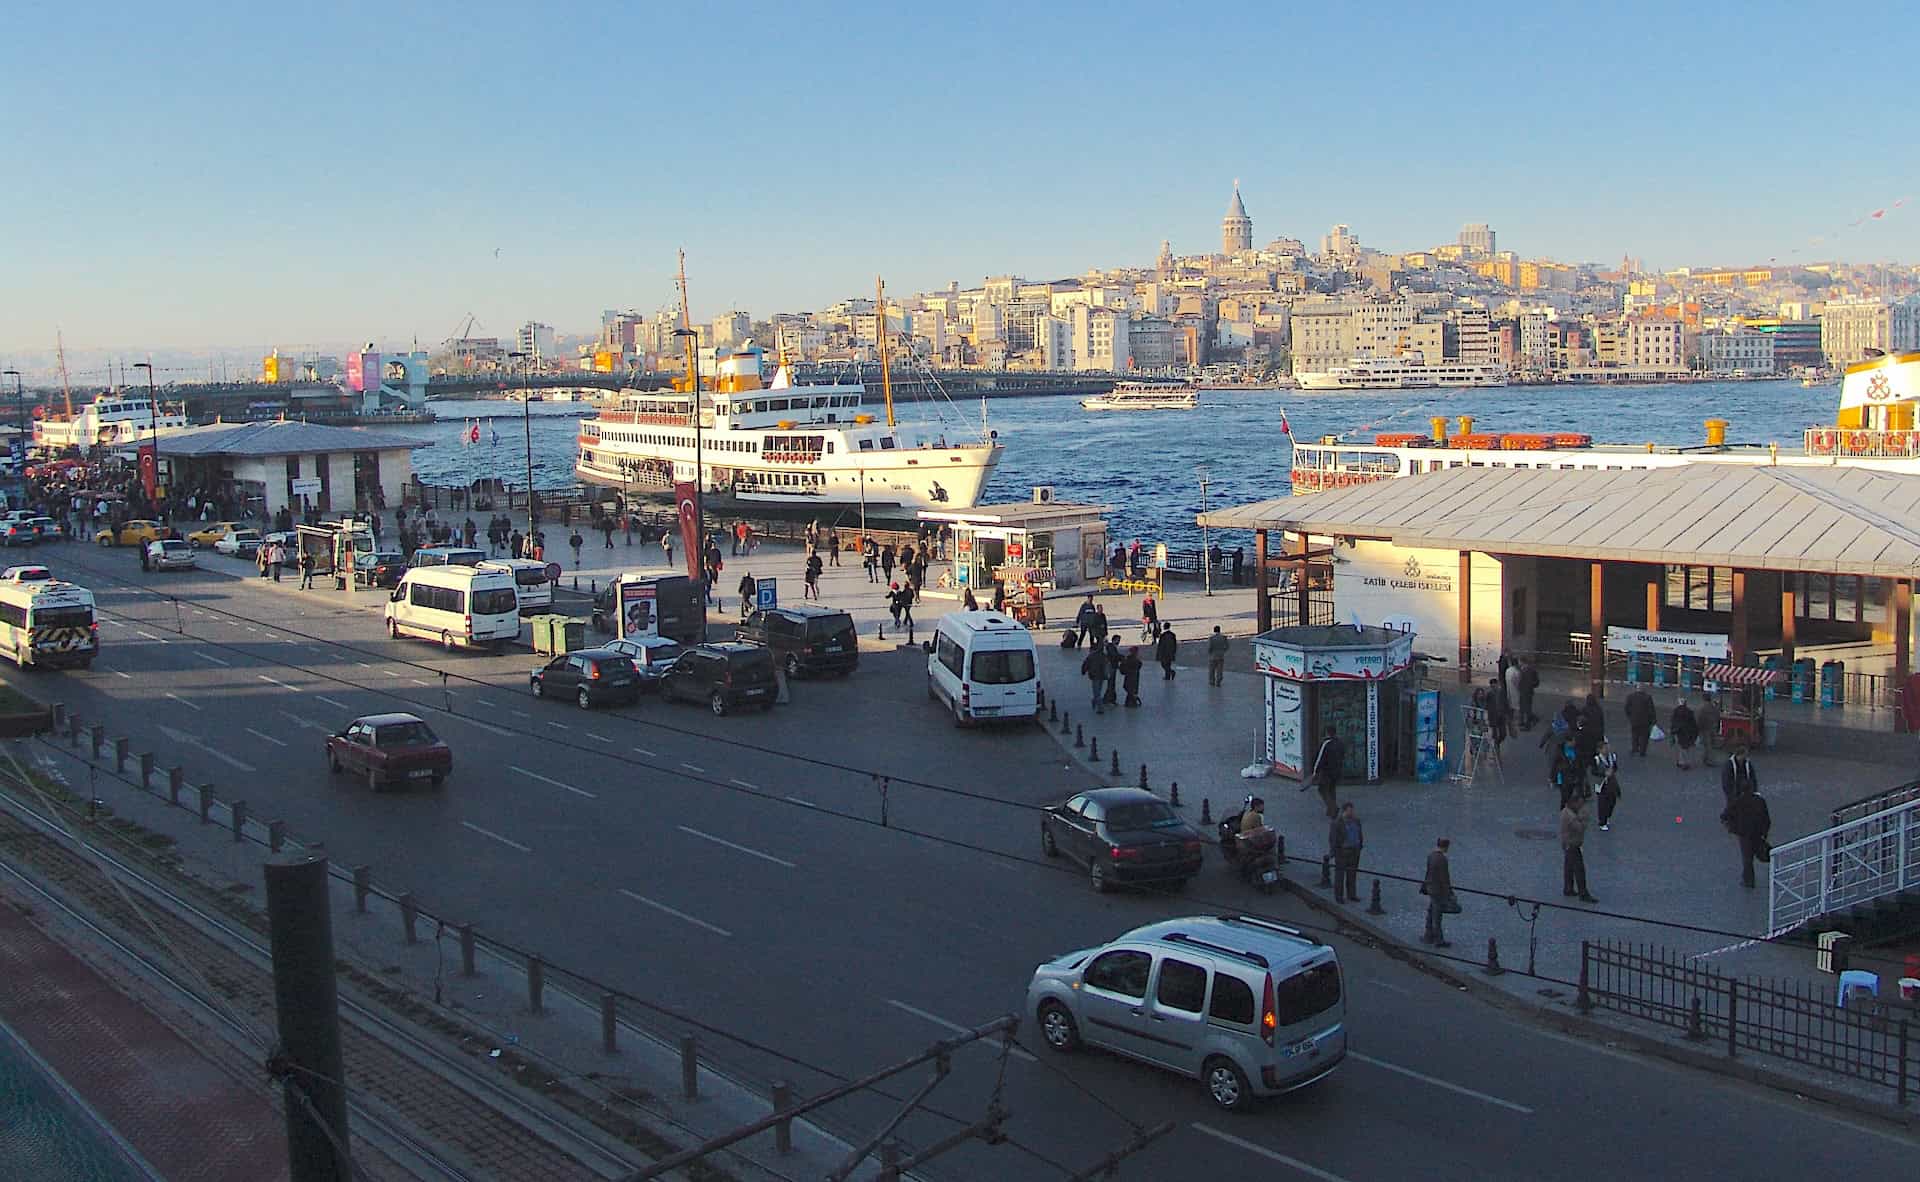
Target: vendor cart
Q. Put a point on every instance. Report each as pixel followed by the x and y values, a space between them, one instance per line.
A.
pixel 1744 713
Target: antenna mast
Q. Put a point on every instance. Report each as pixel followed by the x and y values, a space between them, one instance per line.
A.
pixel 66 387
pixel 880 335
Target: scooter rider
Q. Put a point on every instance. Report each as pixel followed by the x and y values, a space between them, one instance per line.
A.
pixel 1254 816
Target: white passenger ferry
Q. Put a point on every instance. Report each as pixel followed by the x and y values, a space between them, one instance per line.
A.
pixel 1876 427
pixel 1144 396
pixel 1403 373
pixel 109 420
pixel 781 444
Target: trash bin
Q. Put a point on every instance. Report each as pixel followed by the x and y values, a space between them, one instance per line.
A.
pixel 1770 734
pixel 555 634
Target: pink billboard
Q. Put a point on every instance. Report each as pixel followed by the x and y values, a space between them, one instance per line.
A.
pixel 363 372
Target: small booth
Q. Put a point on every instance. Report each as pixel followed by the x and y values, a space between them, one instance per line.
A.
pixel 1026 549
pixel 1745 690
pixel 1339 675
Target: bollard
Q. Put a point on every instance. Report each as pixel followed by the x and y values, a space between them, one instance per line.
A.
pixel 1696 1025
pixel 1583 1001
pixel 146 771
pixel 1733 1008
pixel 59 715
pixel 120 754
pixel 176 780
pixel 782 1132
pixel 593 586
pixel 1093 754
pixel 206 804
pixel 73 729
pixel 99 735
pixel 1114 769
pixel 1373 907
pixel 576 584
pixel 1326 870
pixel 237 812
pixel 1080 736
pixel 408 914
pixel 879 631
pixel 1493 958
pixel 362 886
pixel 536 984
pixel 609 1023
pixel 1053 712
pixel 1173 794
pixel 1066 722
pixel 689 1067
pixel 1143 778
pixel 1206 808
pixel 276 835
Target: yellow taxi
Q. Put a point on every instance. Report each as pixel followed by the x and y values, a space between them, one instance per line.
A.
pixel 213 531
pixel 131 533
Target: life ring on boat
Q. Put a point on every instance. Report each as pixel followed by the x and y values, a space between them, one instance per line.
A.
pixel 1857 441
pixel 1821 441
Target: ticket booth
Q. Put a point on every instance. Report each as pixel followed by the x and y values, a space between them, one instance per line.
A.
pixel 1041 544
pixel 1340 676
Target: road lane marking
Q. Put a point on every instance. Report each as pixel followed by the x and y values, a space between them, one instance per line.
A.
pixel 598 738
pixel 698 771
pixel 735 846
pixel 699 923
pixel 557 784
pixel 210 657
pixel 518 713
pixel 260 735
pixel 645 752
pixel 803 803
pixel 363 664
pixel 148 635
pixel 559 726
pixel 955 1027
pixel 301 722
pixel 329 701
pixel 182 701
pixel 744 784
pixel 283 685
pixel 117 673
pixel 389 673
pixel 417 681
pixel 525 849
pixel 1310 1171
pixel 1410 1073
pixel 194 741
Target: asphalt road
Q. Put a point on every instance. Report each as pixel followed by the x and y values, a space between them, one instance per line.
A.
pixel 735 867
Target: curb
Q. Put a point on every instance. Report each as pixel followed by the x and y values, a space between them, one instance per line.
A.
pixel 1574 1024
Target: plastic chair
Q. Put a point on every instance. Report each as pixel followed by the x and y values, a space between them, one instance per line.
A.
pixel 1858 983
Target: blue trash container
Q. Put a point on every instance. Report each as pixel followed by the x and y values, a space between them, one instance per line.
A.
pixel 1833 690
pixel 1803 679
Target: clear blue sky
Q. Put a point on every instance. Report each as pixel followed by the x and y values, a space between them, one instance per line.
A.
pixel 196 174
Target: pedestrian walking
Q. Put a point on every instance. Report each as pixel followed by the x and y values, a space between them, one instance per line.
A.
pixel 1684 730
pixel 277 559
pixel 1437 886
pixel 812 587
pixel 1130 676
pixel 1529 685
pixel 1093 667
pixel 1748 819
pixel 747 588
pixel 1589 728
pixel 1344 839
pixel 606 531
pixel 1149 619
pixel 1498 714
pixel 886 566
pixel 1737 775
pixel 666 547
pixel 1640 716
pixel 576 541
pixel 1217 646
pixel 1709 716
pixel 893 602
pixel 833 546
pixel 1098 631
pixel 907 595
pixel 1083 621
pixel 262 555
pixel 1567 772
pixel 1573 858
pixel 1605 772
pixel 1165 650
pixel 1328 763
pixel 306 571
pixel 1112 695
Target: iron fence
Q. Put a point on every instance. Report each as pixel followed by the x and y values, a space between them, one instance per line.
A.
pixel 1793 1020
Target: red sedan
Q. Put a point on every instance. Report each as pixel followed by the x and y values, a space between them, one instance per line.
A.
pixel 390 749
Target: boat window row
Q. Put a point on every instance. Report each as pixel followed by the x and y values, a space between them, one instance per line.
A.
pixel 886 443
pixel 816 402
pixel 651 439
pixel 800 482
pixel 1417 466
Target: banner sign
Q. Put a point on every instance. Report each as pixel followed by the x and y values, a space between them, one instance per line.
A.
pixel 683 493
pixel 635 610
pixel 149 469
pixel 1685 644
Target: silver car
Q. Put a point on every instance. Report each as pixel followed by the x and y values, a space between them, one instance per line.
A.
pixel 1249 1007
pixel 169 554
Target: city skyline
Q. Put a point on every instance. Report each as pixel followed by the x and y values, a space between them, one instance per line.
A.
pixel 216 184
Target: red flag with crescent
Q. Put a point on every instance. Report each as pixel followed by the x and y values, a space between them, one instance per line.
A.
pixel 683 494
pixel 149 469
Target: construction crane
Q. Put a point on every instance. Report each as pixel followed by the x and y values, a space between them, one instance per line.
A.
pixel 464 333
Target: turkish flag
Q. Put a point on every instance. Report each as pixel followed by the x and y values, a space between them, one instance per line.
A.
pixel 684 495
pixel 149 469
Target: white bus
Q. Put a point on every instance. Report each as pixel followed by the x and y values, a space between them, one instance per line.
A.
pixel 48 623
pixel 456 605
pixel 533 579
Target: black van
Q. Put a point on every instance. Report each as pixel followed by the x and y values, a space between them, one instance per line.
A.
pixel 805 639
pixel 723 676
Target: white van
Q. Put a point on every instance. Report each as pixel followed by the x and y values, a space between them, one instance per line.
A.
pixel 447 556
pixel 983 667
pixel 529 578
pixel 456 605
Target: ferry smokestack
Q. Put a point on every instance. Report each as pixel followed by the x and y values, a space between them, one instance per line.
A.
pixel 1716 432
pixel 1439 428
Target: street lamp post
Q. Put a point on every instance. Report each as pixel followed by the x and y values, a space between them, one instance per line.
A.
pixel 20 413
pixel 1206 561
pixel 526 421
pixel 153 421
pixel 699 460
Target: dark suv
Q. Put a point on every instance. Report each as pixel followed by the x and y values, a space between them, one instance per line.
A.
pixel 723 676
pixel 805 639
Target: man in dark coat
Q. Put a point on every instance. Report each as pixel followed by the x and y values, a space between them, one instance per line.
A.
pixel 1165 650
pixel 1438 888
pixel 1345 837
pixel 1737 775
pixel 1130 675
pixel 1327 765
pixel 1083 619
pixel 1529 682
pixel 1748 820
pixel 1640 716
pixel 1112 696
pixel 1094 668
pixel 1589 728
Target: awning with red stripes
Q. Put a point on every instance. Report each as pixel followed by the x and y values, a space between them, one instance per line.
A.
pixel 1744 675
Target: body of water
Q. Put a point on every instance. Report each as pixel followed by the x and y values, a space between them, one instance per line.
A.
pixel 1145 464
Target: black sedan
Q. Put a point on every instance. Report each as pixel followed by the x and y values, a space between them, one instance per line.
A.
pixel 591 677
pixel 1122 835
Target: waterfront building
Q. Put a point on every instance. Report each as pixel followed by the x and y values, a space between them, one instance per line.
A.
pixel 1322 337
pixel 1796 342
pixel 1849 328
pixel 536 340
pixel 1736 350
pixel 1533 339
pixel 731 328
pixel 1151 338
pixel 1469 335
pixel 1655 343
pixel 1236 229
pixel 1053 340
pixel 1476 239
pixel 1100 339
pixel 290 465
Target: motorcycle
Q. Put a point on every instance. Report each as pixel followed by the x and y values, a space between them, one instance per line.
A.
pixel 1256 856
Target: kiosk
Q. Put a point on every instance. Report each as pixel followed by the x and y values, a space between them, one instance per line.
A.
pixel 1342 676
pixel 1041 545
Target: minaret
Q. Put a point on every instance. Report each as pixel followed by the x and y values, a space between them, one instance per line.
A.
pixel 1236 229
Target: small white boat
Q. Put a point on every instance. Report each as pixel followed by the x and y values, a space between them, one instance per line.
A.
pixel 1144 396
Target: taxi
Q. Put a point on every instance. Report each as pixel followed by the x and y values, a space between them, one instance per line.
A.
pixel 213 531
pixel 131 533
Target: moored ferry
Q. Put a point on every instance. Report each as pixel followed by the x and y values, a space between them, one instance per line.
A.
pixel 109 420
pixel 780 443
pixel 1403 373
pixel 1876 427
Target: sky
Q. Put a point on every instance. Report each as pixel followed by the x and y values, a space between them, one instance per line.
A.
pixel 204 174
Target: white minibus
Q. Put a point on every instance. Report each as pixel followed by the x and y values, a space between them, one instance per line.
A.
pixel 456 605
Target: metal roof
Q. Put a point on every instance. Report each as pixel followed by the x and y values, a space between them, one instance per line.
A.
pixel 1020 513
pixel 1843 519
pixel 278 438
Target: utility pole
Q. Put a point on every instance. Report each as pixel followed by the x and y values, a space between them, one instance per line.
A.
pixel 1206 560
pixel 307 1061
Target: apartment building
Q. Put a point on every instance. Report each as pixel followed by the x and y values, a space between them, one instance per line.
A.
pixel 1655 343
pixel 1848 328
pixel 1731 350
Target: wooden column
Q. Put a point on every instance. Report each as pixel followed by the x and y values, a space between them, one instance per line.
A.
pixel 1833 597
pixel 1902 634
pixel 1465 589
pixel 1686 587
pixel 1789 625
pixel 1859 599
pixel 1303 597
pixel 1596 628
pixel 1262 609
pixel 1656 597
pixel 1737 638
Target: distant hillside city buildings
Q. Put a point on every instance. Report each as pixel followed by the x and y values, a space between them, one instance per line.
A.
pixel 1279 309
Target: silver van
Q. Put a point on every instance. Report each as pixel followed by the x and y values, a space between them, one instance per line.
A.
pixel 1249 1007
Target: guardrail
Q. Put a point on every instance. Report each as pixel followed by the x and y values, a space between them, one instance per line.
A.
pixel 1852 441
pixel 1844 866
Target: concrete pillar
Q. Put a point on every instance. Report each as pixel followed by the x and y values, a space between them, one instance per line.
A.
pixel 1465 590
pixel 1789 621
pixel 1859 599
pixel 1262 609
pixel 1656 597
pixel 1902 635
pixel 1737 635
pixel 1303 598
pixel 1596 628
pixel 1833 597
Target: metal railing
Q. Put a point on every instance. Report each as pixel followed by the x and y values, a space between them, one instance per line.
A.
pixel 1868 805
pixel 1835 441
pixel 1794 1020
pixel 1844 866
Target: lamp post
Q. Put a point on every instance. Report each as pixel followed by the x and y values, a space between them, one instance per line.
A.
pixel 1206 561
pixel 699 460
pixel 526 421
pixel 20 413
pixel 153 423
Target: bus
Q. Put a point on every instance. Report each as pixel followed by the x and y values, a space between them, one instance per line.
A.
pixel 48 623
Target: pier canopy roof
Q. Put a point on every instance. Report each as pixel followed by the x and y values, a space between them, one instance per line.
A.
pixel 278 438
pixel 1029 515
pixel 1845 520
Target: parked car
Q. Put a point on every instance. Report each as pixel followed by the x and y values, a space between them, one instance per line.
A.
pixel 724 676
pixel 211 533
pixel 19 532
pixel 167 554
pixel 591 677
pixel 1122 835
pixel 132 533
pixel 47 529
pixel 805 639
pixel 384 568
pixel 240 543
pixel 651 656
pixel 389 749
pixel 1249 1007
